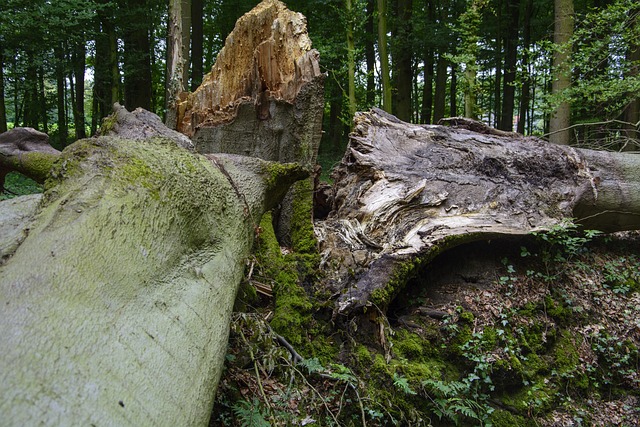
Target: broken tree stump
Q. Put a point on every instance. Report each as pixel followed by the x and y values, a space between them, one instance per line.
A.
pixel 264 97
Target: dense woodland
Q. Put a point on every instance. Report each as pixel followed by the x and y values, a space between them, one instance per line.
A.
pixel 508 63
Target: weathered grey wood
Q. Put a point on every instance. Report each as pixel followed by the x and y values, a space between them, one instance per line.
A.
pixel 116 306
pixel 404 193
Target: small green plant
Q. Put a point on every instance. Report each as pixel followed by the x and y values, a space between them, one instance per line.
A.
pixel 249 414
pixel 402 384
pixel 622 275
pixel 453 401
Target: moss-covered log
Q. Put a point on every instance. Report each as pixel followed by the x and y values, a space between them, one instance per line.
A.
pixel 116 306
pixel 404 193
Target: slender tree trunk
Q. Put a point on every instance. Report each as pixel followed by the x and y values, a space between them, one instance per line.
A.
pixel 197 43
pixel 42 100
pixel 403 60
pixel 31 98
pixel 632 111
pixel 137 62
pixel 384 55
pixel 370 53
pixel 78 105
pixel 335 128
pixel 453 92
pixel 441 87
pixel 351 58
pixel 186 41
pixel 510 65
pixel 427 89
pixel 561 79
pixel 175 62
pixel 525 97
pixel 61 87
pixel 497 88
pixel 3 109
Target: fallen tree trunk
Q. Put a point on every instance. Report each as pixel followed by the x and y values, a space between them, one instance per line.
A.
pixel 116 305
pixel 404 193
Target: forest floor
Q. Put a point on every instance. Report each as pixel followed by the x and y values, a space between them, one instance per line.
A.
pixel 540 331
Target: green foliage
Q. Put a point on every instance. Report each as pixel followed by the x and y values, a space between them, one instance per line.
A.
pixel 19 185
pixel 249 414
pixel 402 384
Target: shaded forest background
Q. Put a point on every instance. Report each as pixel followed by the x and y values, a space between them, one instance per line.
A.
pixel 65 62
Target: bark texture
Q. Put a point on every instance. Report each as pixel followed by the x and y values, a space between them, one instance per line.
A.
pixel 404 193
pixel 116 306
pixel 264 97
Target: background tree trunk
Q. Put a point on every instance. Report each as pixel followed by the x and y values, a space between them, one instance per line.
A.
pixel 137 63
pixel 510 66
pixel 3 109
pixel 561 72
pixel 351 57
pixel 175 63
pixel 384 55
pixel 197 43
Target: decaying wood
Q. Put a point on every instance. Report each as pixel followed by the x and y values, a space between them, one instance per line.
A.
pixel 264 97
pixel 404 193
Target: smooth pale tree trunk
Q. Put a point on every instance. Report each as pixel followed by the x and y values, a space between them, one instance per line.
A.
pixel 561 71
pixel 116 303
pixel 384 55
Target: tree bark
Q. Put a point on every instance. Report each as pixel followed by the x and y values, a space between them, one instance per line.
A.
pixel 510 65
pixel 404 193
pixel 370 53
pixel 351 57
pixel 440 97
pixel 561 71
pixel 79 59
pixel 137 62
pixel 3 110
pixel 384 55
pixel 175 63
pixel 116 305
pixel 197 43
pixel 403 60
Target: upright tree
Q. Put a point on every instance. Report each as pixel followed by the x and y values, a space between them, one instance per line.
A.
pixel 137 55
pixel 197 43
pixel 563 29
pixel 175 62
pixel 351 56
pixel 510 66
pixel 3 110
pixel 403 60
pixel 384 55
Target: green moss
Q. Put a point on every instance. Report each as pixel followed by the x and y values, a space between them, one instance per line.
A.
pixel 362 355
pixel 537 398
pixel 303 237
pixel 502 418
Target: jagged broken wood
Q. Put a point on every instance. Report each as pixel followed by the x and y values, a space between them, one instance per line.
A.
pixel 404 193
pixel 117 289
pixel 264 97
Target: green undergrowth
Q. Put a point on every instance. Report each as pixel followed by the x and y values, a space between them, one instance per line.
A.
pixel 553 341
pixel 19 185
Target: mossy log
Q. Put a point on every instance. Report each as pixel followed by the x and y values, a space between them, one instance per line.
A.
pixel 404 193
pixel 116 305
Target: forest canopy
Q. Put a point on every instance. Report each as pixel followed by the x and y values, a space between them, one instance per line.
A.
pixel 65 62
